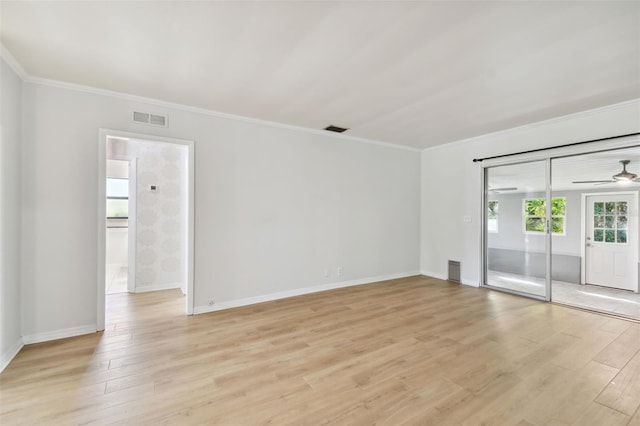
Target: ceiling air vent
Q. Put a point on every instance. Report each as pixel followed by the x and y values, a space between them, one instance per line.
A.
pixel 336 129
pixel 148 118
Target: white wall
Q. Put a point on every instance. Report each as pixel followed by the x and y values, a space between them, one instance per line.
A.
pixel 116 244
pixel 161 256
pixel 275 206
pixel 10 213
pixel 451 179
pixel 117 169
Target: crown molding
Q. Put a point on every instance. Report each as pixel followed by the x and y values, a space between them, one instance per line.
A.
pixel 534 125
pixel 15 65
pixel 12 62
pixel 187 108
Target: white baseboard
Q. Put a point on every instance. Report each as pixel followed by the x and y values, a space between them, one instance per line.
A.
pixel 298 292
pixel 10 354
pixel 59 334
pixel 157 287
pixel 443 277
pixel 434 275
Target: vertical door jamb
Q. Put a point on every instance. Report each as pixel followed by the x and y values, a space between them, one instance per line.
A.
pixel 131 223
pixel 483 228
pixel 549 233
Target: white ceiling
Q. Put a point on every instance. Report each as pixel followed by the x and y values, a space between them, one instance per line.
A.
pixel 411 73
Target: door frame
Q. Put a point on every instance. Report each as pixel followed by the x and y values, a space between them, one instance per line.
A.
pixel 583 228
pixel 103 134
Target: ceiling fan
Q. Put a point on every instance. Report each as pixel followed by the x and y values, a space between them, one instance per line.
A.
pixel 622 178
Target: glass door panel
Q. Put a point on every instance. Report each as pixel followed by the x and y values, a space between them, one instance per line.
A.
pixel 595 262
pixel 516 242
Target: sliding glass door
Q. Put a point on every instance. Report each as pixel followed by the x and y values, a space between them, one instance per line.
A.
pixel 518 215
pixel 595 247
pixel 588 213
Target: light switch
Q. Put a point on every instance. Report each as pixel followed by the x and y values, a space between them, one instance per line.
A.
pixel 467 219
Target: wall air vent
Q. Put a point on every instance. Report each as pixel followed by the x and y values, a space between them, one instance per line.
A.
pixel 454 271
pixel 152 119
pixel 336 129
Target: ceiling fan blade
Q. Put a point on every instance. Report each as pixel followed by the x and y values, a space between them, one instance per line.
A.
pixel 594 181
pixel 509 188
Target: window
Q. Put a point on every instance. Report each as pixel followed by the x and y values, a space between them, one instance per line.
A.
pixel 117 198
pixel 610 222
pixel 535 212
pixel 492 216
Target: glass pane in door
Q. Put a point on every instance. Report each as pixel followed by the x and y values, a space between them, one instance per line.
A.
pixel 515 227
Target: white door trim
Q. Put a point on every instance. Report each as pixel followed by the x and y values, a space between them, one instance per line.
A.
pixel 103 134
pixel 583 227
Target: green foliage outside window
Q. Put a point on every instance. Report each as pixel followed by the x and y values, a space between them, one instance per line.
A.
pixel 492 207
pixel 535 213
pixel 492 216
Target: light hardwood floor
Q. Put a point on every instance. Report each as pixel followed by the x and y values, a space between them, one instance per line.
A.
pixel 410 351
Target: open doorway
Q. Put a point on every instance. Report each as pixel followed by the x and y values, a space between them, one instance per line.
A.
pixel 145 217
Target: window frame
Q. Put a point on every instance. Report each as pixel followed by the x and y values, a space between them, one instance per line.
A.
pixel 604 228
pixel 116 198
pixel 525 217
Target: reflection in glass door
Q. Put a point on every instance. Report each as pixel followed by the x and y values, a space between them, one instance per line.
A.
pixel 517 216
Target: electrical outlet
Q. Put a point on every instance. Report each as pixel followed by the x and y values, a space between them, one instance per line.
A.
pixel 339 271
pixel 211 302
pixel 326 272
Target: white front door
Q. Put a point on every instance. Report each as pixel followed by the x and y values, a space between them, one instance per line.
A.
pixel 611 240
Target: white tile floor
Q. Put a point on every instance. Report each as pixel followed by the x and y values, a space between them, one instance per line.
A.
pixel 619 302
pixel 116 279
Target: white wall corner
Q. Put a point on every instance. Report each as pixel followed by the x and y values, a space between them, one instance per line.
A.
pixel 471 283
pixel 434 275
pixel 12 62
pixel 8 356
pixel 59 334
pixel 299 292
